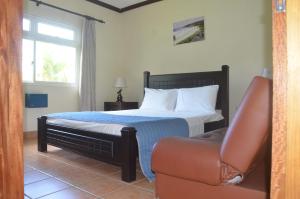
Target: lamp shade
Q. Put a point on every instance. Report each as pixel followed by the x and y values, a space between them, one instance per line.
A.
pixel 120 82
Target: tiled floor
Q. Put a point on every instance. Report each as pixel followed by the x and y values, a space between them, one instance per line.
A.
pixel 59 174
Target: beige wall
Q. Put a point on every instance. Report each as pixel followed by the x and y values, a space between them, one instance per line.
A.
pixel 238 33
pixel 109 64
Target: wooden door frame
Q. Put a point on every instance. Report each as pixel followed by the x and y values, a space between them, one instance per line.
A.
pixel 11 106
pixel 286 102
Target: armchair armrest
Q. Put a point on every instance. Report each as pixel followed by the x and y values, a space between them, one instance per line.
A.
pixel 191 159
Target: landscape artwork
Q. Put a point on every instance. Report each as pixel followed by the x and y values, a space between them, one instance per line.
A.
pixel 187 31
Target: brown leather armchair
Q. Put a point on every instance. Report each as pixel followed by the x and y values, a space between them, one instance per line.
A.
pixel 210 166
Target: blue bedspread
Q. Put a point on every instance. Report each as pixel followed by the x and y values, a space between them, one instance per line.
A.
pixel 149 130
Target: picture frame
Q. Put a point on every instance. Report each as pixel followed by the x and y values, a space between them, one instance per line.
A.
pixel 190 30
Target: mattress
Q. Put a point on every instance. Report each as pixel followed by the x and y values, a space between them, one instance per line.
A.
pixel 195 121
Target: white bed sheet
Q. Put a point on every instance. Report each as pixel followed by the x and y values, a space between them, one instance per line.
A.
pixel 195 121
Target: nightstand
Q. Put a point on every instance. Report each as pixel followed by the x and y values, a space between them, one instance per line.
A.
pixel 115 106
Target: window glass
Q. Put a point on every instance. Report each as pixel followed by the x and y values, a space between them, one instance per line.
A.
pixel 55 31
pixel 55 63
pixel 26 24
pixel 27 60
pixel 45 59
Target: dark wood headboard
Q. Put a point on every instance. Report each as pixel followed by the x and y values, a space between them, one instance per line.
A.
pixel 189 80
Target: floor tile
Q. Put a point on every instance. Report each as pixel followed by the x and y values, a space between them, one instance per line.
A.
pixel 44 187
pixel 82 161
pixel 71 193
pixel 103 169
pixel 60 154
pixel 43 163
pixel 73 175
pixel 27 169
pixel 102 185
pixel 90 178
pixel 34 176
pixel 27 157
pixel 130 192
pixel 73 159
pixel 145 184
pixel 70 157
pixel 30 147
pixel 117 176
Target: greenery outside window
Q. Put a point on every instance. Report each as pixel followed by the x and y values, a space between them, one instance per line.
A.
pixel 50 52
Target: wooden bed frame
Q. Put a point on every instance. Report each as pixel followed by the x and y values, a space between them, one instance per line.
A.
pixel 122 150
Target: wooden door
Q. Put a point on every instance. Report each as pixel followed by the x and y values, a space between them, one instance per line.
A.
pixel 11 109
pixel 285 181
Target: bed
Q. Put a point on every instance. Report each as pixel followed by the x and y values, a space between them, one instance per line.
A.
pixel 120 148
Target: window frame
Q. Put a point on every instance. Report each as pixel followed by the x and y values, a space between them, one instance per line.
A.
pixel 35 37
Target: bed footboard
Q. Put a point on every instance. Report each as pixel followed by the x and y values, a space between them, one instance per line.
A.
pixel 117 150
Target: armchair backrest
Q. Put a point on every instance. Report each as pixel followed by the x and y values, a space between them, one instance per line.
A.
pixel 249 130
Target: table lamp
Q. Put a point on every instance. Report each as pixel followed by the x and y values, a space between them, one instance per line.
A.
pixel 120 84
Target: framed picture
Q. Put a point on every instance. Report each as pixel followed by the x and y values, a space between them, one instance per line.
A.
pixel 190 30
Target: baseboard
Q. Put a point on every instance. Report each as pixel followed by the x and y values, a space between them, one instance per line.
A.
pixel 30 135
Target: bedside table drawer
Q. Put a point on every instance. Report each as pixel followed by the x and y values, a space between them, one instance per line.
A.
pixel 115 106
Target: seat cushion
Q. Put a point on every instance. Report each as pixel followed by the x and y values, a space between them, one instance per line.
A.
pixel 193 159
pixel 169 187
pixel 254 187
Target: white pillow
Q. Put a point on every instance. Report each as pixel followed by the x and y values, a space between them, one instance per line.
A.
pixel 159 99
pixel 202 99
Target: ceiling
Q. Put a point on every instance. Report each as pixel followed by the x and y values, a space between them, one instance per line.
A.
pixel 122 5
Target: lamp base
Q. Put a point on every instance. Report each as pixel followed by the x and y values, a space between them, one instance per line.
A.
pixel 119 97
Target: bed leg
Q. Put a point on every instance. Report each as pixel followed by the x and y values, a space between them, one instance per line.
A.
pixel 129 154
pixel 42 130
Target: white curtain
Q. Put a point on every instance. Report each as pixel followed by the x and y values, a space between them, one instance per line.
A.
pixel 87 81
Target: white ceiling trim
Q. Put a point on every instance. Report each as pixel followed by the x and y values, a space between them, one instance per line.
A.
pixel 121 3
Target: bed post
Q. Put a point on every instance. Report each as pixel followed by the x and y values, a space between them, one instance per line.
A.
pixel 146 79
pixel 129 154
pixel 225 108
pixel 42 130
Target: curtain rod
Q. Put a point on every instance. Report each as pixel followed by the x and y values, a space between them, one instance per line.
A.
pixel 65 10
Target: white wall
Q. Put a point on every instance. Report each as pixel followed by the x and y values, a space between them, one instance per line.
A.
pixel 109 64
pixel 238 33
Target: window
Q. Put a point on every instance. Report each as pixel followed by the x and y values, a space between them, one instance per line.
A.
pixel 54 63
pixel 49 52
pixel 55 31
pixel 26 24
